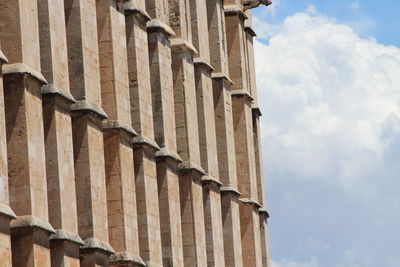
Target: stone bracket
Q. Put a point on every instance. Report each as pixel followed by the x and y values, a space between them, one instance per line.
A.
pixel 87 107
pixel 115 125
pixel 189 166
pixel 29 221
pixel 264 212
pixel 157 25
pixel 97 245
pixel 229 189
pixel 126 258
pixel 5 210
pixel 131 8
pixel 22 68
pixel 180 43
pixel 63 235
pixel 201 62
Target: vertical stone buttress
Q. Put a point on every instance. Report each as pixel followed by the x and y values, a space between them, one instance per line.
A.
pixel 87 128
pixel 118 135
pixel 190 171
pixel 159 34
pixel 263 214
pixel 224 133
pixel 243 131
pixel 57 100
pixel 144 144
pixel 6 213
pixel 25 135
pixel 207 135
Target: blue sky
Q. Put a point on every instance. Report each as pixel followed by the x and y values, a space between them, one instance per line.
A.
pixel 328 76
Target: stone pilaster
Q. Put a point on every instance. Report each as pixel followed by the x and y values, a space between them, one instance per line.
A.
pixel 87 128
pixel 243 131
pixel 6 213
pixel 25 135
pixel 191 173
pixel 207 135
pixel 144 145
pixel 266 258
pixel 57 99
pixel 164 132
pixel 118 134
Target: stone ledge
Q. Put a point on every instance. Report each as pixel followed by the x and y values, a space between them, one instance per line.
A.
pixel 125 258
pixel 52 89
pixel 140 141
pixel 235 10
pixel 119 126
pixel 5 210
pixel 257 110
pixel 63 235
pixel 220 75
pixel 29 221
pixel 191 166
pixel 250 31
pixel 209 179
pixel 157 25
pixel 22 68
pixel 3 58
pixel 152 264
pixel 180 43
pixel 229 189
pixel 165 153
pixel 242 93
pixel 250 202
pixel 130 7
pixel 95 244
pixel 85 106
pixel 200 61
pixel 263 211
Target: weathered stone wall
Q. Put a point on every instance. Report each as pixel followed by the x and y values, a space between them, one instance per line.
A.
pixel 129 135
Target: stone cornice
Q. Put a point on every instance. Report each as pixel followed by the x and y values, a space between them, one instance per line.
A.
pixel 229 189
pixel 250 31
pixel 54 90
pixel 126 258
pixel 142 141
pixel 5 210
pixel 180 43
pixel 242 93
pixel 189 166
pixel 95 244
pixel 22 68
pixel 222 76
pixel 3 58
pixel 256 110
pixel 264 212
pixel 201 62
pixel 208 179
pixel 165 153
pixel 87 107
pixel 112 125
pixel 250 202
pixel 61 234
pixel 131 8
pixel 235 10
pixel 29 221
pixel 157 25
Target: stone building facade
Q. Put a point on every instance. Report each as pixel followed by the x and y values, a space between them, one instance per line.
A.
pixel 129 135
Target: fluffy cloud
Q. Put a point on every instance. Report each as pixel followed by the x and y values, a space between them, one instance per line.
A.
pixel 330 99
pixel 331 142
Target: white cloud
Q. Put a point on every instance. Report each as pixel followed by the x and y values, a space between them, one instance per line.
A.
pixel 330 101
pixel 355 5
pixel 291 263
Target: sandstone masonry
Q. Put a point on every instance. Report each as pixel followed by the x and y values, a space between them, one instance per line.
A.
pixel 130 135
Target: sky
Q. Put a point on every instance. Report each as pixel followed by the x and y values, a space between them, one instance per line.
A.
pixel 328 76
